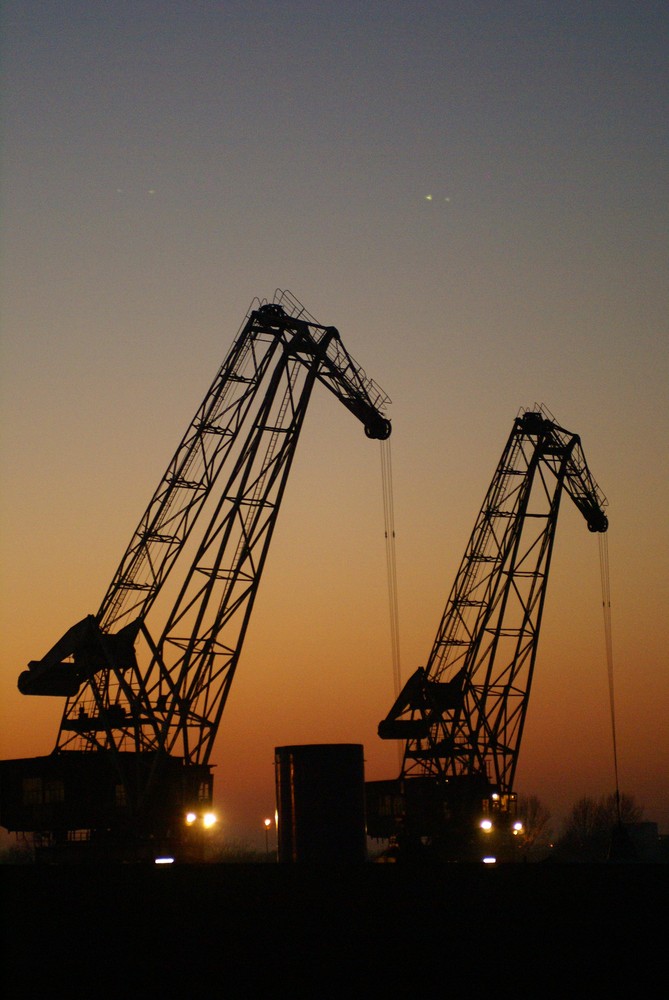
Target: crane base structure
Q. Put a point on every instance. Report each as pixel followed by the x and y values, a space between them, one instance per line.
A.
pixel 76 807
pixel 463 819
pixel 461 717
pixel 146 679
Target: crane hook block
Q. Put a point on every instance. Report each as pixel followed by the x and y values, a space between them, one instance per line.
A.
pixel 379 429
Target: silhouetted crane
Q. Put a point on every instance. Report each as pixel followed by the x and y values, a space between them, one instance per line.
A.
pixel 146 679
pixel 462 715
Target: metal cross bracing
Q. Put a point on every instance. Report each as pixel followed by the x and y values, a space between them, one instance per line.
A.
pixel 151 671
pixel 463 714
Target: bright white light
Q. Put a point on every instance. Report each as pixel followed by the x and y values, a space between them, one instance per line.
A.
pixel 208 820
pixel 190 818
pixel 486 825
pixel 164 861
pixel 518 826
pixel 268 823
pixel 489 861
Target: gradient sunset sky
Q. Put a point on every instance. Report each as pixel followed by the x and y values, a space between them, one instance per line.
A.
pixel 476 195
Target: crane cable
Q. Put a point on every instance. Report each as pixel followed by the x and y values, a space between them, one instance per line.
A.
pixel 391 564
pixel 606 606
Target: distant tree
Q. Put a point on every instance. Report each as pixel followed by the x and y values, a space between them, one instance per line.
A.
pixel 535 818
pixel 621 809
pixel 582 822
pixel 593 824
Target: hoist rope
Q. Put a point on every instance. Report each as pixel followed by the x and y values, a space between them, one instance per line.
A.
pixel 391 564
pixel 606 606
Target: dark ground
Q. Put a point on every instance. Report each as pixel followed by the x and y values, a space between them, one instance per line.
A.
pixel 530 931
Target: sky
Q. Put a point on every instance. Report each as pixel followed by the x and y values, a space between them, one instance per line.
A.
pixel 476 195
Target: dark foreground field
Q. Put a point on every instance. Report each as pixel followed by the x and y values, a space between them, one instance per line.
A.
pixel 530 931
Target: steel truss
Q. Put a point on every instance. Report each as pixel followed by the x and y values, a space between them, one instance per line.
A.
pixel 150 673
pixel 462 715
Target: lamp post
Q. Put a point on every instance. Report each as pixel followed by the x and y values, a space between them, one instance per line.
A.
pixel 268 824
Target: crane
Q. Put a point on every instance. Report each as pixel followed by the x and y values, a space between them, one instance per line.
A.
pixel 461 716
pixel 146 678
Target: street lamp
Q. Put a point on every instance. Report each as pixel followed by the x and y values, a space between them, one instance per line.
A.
pixel 268 824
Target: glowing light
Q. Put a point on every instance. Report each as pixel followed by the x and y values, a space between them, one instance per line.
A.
pixel 428 197
pixel 486 825
pixel 164 861
pixel 268 823
pixel 208 820
pixel 489 860
pixel 190 818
